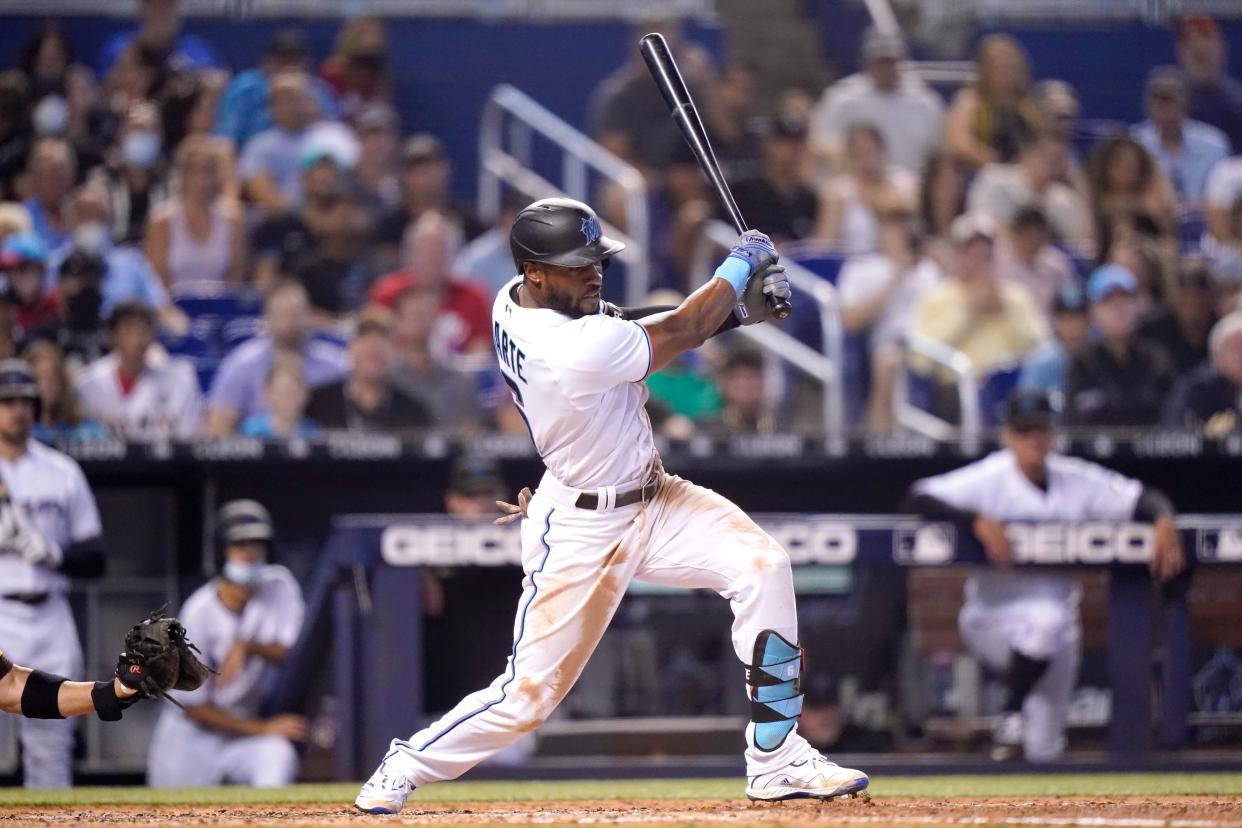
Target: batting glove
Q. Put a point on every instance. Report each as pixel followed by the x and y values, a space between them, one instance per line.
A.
pixel 753 252
pixel 755 306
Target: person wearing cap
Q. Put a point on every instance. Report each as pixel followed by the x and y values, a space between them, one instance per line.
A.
pixel 426 187
pixel 1118 379
pixel 1210 397
pixel 907 112
pixel 1034 180
pixel 467 609
pixel 237 389
pixel 137 391
pixel 271 161
pixel 867 187
pixel 367 400
pixel 1181 323
pixel 23 264
pixel 243 112
pixel 196 240
pixel 1024 625
pixel 1215 97
pixel 777 198
pixel 245 620
pixel 992 322
pixel 1184 148
pixel 49 532
pixel 878 293
pixel 1027 256
pixel 1046 366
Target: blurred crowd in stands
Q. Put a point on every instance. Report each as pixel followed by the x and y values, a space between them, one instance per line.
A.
pixel 187 251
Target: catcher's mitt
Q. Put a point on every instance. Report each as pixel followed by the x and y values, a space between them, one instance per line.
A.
pixel 158 658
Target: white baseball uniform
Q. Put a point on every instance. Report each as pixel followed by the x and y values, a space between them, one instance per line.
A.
pixel 187 755
pixel 165 401
pixel 1033 613
pixel 579 384
pixel 52 492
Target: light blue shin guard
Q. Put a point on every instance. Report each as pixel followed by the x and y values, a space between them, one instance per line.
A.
pixel 774 681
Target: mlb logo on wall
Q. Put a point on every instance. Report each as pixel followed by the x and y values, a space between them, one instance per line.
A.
pixel 931 543
pixel 1220 545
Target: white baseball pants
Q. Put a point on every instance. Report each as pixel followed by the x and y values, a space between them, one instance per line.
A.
pixel 43 637
pixel 1041 628
pixel 578 564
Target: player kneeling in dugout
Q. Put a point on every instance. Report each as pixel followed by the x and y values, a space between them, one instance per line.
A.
pixel 1024 625
pixel 245 620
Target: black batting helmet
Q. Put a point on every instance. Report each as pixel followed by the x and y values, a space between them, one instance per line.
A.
pixel 560 231
pixel 243 520
pixel 17 382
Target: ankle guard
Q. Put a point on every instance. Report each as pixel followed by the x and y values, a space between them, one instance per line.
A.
pixel 774 682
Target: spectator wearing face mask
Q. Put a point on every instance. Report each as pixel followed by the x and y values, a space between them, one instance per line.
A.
pixel 135 181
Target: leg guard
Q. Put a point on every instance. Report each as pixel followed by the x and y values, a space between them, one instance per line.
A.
pixel 774 682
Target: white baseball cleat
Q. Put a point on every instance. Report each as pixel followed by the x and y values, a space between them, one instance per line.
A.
pixel 811 777
pixel 384 793
pixel 1007 737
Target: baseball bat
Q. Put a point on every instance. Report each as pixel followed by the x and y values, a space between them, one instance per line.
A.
pixel 668 78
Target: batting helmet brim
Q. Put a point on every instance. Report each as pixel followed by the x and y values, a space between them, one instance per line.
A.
pixel 594 253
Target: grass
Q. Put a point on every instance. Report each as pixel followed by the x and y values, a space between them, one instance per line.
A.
pixel 1101 785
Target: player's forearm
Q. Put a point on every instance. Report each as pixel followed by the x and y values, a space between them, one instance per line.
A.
pixel 215 718
pixel 271 653
pixel 73 698
pixel 692 323
pixel 635 314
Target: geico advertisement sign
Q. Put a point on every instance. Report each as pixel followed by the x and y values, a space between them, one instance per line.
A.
pixel 1088 543
pixel 445 543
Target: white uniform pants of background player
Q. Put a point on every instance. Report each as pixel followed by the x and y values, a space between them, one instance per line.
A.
pixel 42 637
pixel 1040 628
pixel 578 564
pixel 184 755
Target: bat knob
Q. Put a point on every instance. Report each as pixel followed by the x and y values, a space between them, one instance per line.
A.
pixel 781 308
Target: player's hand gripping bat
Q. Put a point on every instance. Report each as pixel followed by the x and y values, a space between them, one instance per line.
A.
pixel 664 69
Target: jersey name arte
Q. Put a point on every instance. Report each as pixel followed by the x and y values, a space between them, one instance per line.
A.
pixel 508 352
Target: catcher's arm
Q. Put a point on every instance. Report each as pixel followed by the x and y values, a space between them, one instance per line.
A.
pixel 39 695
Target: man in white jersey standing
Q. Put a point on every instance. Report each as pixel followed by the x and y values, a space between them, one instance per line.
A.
pixel 606 512
pixel 1024 625
pixel 49 530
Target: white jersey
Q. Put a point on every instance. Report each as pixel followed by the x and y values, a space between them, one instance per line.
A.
pixel 273 615
pixel 165 401
pixel 994 486
pixel 579 385
pixel 51 489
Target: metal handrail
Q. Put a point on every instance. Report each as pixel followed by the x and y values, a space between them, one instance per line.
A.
pixel 826 367
pixel 509 107
pixel 922 422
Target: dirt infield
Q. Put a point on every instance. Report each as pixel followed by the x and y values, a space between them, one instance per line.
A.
pixel 1124 812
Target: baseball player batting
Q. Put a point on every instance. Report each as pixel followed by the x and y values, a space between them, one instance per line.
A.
pixel 606 513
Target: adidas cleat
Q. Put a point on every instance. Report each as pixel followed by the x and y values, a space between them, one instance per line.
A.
pixel 811 777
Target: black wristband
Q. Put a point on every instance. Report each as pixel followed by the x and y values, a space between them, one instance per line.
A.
pixel 40 698
pixel 108 705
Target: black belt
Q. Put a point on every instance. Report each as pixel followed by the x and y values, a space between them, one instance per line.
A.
pixel 639 495
pixel 32 599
